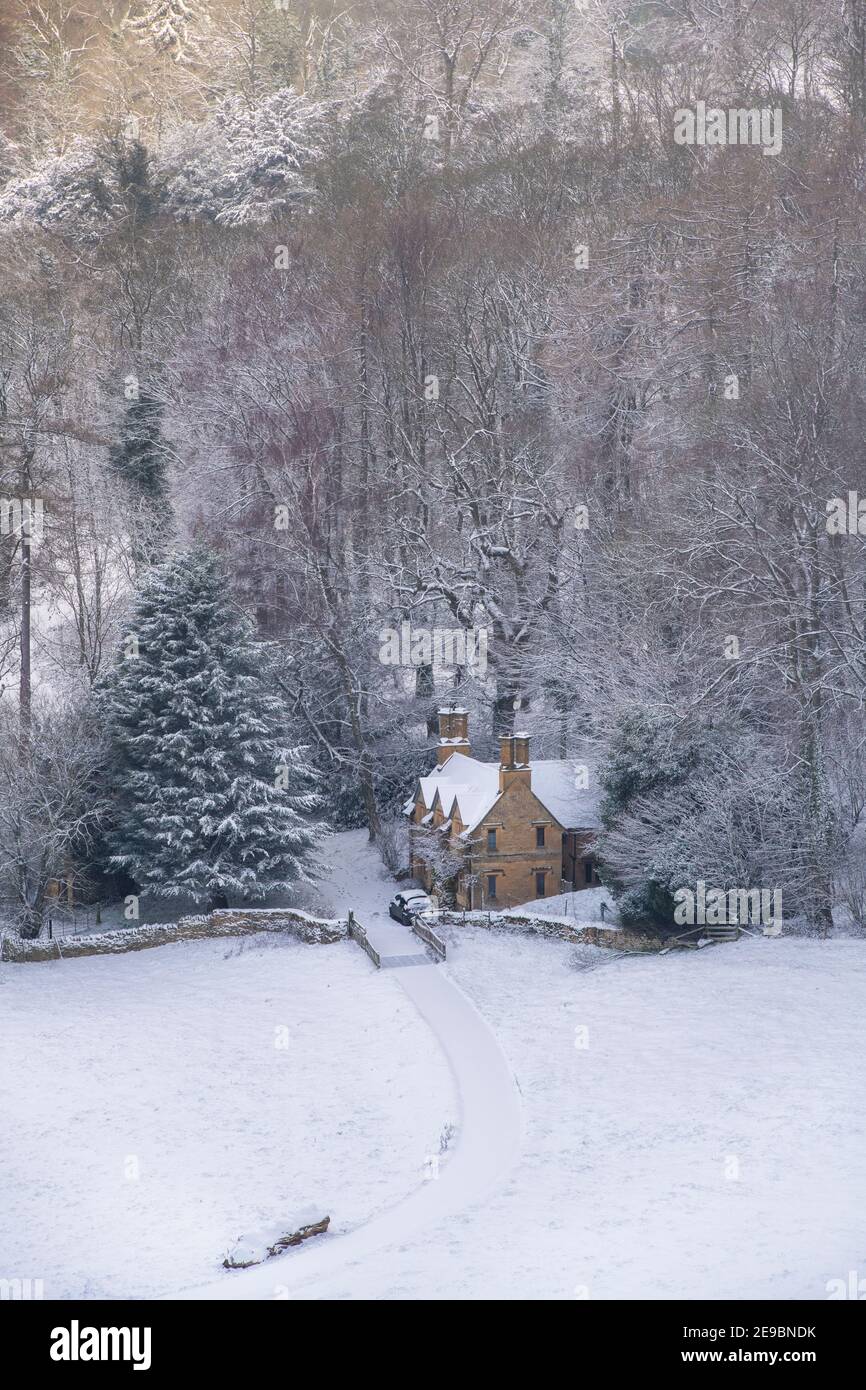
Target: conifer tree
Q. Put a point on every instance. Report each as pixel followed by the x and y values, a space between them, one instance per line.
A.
pixel 207 800
pixel 139 459
pixel 166 25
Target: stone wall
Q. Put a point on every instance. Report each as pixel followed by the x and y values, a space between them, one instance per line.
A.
pixel 228 922
pixel 612 938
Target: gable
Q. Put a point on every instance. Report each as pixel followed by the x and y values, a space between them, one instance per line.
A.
pixel 475 787
pixel 518 804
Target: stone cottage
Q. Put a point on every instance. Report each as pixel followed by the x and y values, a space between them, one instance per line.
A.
pixel 501 833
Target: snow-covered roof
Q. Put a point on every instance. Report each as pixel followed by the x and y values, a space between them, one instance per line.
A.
pixel 467 796
pixel 554 783
pixel 428 787
pixel 474 786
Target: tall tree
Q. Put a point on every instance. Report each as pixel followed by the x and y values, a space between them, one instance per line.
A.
pixel 139 459
pixel 208 802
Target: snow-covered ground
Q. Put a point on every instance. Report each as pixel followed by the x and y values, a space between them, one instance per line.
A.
pixel 693 1124
pixel 707 1142
pixel 703 1139
pixel 354 878
pixel 576 909
pixel 158 1105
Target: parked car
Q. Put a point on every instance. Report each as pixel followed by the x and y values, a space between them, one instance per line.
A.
pixel 411 903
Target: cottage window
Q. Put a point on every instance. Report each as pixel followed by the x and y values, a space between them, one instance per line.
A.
pixel 491 839
pixel 588 870
pixel 491 882
pixel 539 837
pixel 539 885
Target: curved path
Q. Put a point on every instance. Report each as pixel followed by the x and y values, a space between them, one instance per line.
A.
pixel 488 1143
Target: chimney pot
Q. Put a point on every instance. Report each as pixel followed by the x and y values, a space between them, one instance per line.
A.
pixel 453 733
pixel 513 760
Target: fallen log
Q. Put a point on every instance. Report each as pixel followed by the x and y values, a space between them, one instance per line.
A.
pixel 254 1250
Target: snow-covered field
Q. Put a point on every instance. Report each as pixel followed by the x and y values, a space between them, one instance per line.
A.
pixel 703 1139
pixel 693 1124
pixel 707 1142
pixel 153 1110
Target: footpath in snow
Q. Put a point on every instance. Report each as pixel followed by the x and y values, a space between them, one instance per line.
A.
pixel 488 1138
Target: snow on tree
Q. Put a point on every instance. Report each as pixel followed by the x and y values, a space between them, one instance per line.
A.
pixel 8 157
pixel 84 190
pixel 207 801
pixel 619 467
pixel 50 806
pixel 139 461
pixel 243 164
pixel 140 457
pixel 650 759
pixel 167 26
pixel 735 823
pixel 63 189
pixel 442 863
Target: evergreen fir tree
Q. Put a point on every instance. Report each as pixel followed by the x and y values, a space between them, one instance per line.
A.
pixel 167 26
pixel 207 801
pixel 245 164
pixel 649 753
pixel 139 459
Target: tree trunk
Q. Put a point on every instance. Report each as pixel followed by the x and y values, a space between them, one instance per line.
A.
pixel 25 688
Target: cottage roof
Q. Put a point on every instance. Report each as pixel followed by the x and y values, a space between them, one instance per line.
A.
pixel 554 783
pixel 474 785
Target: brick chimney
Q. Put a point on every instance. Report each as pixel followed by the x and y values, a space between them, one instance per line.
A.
pixel 453 733
pixel 514 760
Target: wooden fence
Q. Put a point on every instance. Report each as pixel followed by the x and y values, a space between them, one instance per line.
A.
pixel 429 937
pixel 357 933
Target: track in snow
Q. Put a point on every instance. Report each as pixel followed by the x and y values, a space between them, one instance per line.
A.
pixel 488 1143
pixel 488 1139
